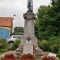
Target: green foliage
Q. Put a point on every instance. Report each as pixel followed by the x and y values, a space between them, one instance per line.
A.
pixel 47 27
pixel 18 30
pixel 4 46
pixel 43 45
pixel 48 18
pixel 42 21
pixel 58 54
pixel 15 45
pixel 52 45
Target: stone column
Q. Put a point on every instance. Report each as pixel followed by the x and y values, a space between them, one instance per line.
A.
pixel 29 28
pixel 29 23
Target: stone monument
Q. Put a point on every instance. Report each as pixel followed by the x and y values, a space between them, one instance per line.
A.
pixel 29 29
pixel 28 40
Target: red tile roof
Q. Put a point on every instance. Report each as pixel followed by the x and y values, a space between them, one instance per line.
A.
pixel 6 21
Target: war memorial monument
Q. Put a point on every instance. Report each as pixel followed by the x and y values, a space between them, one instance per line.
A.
pixel 29 41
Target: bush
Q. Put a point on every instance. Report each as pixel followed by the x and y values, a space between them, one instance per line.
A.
pixel 58 54
pixel 54 43
pixel 3 45
pixel 54 48
pixel 43 45
pixel 15 45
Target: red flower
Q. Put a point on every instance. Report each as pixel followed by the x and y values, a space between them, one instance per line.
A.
pixel 51 58
pixel 45 58
pixel 27 57
pixel 48 58
pixel 8 57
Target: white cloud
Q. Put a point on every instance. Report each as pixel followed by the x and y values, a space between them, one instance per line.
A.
pixel 18 7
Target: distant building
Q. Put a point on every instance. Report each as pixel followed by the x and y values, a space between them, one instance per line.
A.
pixel 6 25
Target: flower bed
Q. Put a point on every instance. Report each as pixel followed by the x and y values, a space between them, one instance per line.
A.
pixel 23 57
pixel 27 57
pixel 48 58
pixel 8 57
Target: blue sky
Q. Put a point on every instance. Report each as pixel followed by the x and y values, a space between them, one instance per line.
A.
pixel 18 7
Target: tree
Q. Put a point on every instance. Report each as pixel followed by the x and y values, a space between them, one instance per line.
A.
pixel 49 20
pixel 42 21
pixel 18 29
pixel 47 25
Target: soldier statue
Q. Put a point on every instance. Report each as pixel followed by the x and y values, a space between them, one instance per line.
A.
pixel 30 6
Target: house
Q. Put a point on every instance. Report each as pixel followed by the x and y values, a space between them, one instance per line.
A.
pixel 6 25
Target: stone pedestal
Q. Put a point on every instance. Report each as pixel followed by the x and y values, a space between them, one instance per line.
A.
pixel 28 49
pixel 29 38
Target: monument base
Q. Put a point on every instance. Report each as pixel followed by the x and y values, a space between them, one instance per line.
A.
pixel 28 49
